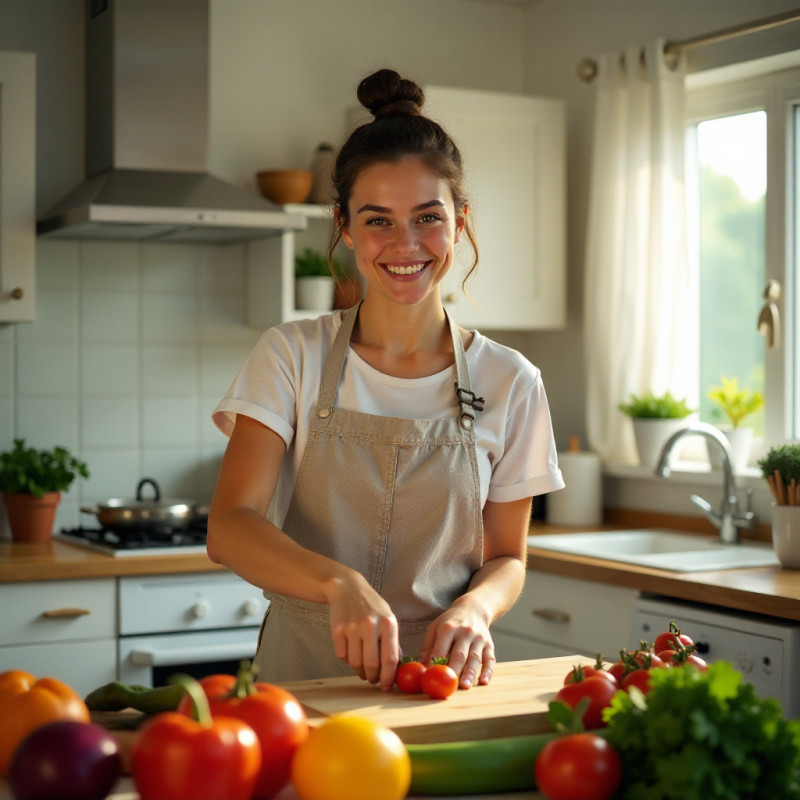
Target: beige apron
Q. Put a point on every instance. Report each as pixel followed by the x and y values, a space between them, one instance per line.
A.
pixel 396 499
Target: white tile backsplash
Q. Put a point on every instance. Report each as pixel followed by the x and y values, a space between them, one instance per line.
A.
pixel 170 421
pixel 110 317
pixel 133 347
pixel 47 368
pixel 48 420
pixel 110 421
pixel 110 369
pixel 110 266
pixel 169 318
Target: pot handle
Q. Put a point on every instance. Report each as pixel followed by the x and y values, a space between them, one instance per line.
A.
pixel 144 482
pixel 90 509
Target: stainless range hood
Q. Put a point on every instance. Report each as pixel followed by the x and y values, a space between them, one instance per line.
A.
pixel 147 135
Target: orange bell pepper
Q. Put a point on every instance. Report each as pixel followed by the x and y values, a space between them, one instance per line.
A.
pixel 27 703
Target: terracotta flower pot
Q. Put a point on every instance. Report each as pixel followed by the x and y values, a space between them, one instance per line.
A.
pixel 31 518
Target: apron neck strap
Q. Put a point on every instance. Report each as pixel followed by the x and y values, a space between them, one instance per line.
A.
pixel 468 402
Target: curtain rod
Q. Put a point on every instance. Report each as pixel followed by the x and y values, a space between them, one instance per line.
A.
pixel 587 67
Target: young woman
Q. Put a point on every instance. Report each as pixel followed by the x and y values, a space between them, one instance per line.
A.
pixel 378 480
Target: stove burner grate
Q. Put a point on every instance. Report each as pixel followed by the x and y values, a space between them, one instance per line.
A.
pixel 139 541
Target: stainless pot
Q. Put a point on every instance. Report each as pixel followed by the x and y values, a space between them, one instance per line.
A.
pixel 126 514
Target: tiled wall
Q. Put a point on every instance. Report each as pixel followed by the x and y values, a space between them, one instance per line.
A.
pixel 133 345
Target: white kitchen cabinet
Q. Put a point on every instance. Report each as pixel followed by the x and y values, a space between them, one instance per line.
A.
pixel 514 152
pixel 558 615
pixel 61 629
pixel 17 186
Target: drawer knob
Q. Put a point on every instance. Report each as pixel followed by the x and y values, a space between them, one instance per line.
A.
pixel 201 609
pixel 65 613
pixel 551 614
pixel 251 607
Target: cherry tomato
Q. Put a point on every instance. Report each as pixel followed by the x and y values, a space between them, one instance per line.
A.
pixel 581 766
pixel 617 670
pixel 677 658
pixel 640 678
pixel 409 677
pixel 351 758
pixel 598 690
pixel 668 639
pixel 439 681
pixel 580 671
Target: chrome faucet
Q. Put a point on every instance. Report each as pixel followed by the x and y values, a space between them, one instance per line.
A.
pixel 728 519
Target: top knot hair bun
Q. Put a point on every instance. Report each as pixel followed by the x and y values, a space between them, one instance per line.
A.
pixel 385 92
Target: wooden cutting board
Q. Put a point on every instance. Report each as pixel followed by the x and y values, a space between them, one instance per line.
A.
pixel 513 704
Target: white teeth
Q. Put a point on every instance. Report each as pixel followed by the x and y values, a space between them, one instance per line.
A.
pixel 404 270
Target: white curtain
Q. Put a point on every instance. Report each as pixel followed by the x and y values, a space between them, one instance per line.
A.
pixel 639 310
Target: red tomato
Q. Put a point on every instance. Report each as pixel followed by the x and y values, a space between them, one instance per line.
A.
pixel 439 681
pixel 581 671
pixel 273 713
pixel 580 766
pixel 598 690
pixel 409 677
pixel 617 670
pixel 640 678
pixel 677 658
pixel 669 639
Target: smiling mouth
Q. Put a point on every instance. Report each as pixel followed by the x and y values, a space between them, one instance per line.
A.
pixel 409 269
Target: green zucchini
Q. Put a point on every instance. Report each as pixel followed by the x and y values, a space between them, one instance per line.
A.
pixel 484 766
pixel 117 696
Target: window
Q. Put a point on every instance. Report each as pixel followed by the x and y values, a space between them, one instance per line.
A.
pixel 743 138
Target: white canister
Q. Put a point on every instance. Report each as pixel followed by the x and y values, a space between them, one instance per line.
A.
pixel 786 535
pixel 580 502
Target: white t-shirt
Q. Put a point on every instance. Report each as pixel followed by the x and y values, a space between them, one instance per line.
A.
pixel 278 385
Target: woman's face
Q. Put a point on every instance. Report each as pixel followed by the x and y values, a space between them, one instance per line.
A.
pixel 403 229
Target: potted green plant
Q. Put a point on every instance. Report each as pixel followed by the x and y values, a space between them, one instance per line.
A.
pixel 31 482
pixel 780 467
pixel 655 418
pixel 315 280
pixel 736 404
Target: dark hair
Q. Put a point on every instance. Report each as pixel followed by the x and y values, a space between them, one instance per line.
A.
pixel 398 130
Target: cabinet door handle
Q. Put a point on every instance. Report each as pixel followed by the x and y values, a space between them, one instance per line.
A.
pixel 552 614
pixel 65 613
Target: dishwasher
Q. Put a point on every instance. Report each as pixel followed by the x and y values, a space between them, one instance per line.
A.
pixel 766 650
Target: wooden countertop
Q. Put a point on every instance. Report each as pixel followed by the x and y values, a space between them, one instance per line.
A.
pixel 54 560
pixel 763 590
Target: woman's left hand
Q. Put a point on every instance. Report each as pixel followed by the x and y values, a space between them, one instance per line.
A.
pixel 461 634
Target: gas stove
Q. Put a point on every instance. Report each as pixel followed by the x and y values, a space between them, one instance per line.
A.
pixel 139 542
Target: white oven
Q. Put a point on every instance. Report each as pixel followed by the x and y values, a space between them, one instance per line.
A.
pixel 198 623
pixel 766 650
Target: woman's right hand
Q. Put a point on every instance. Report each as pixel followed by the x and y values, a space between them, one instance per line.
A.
pixel 364 629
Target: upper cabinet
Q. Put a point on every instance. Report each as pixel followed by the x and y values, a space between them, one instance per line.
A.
pixel 17 186
pixel 514 153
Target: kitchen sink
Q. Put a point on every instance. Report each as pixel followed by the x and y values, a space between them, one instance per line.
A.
pixel 660 549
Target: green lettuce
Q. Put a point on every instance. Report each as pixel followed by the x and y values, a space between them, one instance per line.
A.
pixel 704 735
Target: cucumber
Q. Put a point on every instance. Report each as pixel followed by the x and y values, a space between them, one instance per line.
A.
pixel 484 766
pixel 117 696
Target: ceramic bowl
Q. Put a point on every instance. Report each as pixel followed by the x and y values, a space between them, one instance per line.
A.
pixel 285 185
pixel 786 535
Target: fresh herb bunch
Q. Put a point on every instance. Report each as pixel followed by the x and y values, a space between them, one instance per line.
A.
pixel 703 734
pixel 781 469
pixel 651 407
pixel 25 470
pixel 734 402
pixel 312 264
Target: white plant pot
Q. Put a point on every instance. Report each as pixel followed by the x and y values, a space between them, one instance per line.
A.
pixel 314 294
pixel 651 435
pixel 740 440
pixel 786 535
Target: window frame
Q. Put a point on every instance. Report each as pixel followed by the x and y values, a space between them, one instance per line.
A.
pixel 777 93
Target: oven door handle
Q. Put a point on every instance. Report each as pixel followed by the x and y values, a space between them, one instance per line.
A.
pixel 189 655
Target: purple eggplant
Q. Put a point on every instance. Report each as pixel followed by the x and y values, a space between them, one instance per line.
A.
pixel 65 760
